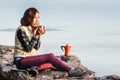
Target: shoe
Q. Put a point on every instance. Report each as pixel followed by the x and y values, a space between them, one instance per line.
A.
pixel 82 74
pixel 88 74
pixel 75 72
pixel 32 71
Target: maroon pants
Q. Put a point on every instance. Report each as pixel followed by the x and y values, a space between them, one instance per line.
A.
pixel 38 60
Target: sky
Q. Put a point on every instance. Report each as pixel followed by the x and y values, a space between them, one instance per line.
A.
pixel 63 12
pixel 92 27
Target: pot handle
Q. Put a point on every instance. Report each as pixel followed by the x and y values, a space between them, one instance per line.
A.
pixel 62 48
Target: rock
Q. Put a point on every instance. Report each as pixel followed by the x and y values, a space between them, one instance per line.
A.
pixel 6 64
pixel 6 49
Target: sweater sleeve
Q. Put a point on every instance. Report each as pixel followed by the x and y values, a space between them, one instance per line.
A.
pixel 37 45
pixel 27 44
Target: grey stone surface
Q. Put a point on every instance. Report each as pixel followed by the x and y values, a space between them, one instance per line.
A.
pixel 6 64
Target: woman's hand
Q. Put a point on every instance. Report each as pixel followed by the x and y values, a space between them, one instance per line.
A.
pixel 40 31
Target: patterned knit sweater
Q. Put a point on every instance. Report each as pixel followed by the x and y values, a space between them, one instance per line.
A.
pixel 25 42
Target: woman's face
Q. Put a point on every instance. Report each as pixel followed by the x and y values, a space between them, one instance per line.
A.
pixel 35 22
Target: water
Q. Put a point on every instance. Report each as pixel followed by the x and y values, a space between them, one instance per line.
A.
pixel 97 49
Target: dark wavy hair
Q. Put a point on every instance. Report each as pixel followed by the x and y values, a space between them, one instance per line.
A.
pixel 28 16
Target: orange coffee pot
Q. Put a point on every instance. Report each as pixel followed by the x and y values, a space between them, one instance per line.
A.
pixel 66 49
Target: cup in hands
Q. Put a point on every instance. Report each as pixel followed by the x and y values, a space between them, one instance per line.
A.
pixel 41 30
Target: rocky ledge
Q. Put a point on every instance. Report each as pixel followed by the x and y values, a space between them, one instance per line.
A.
pixel 6 66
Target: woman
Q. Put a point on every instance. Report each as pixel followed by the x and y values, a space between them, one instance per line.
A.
pixel 27 42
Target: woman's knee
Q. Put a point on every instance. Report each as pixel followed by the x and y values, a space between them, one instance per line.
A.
pixel 51 54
